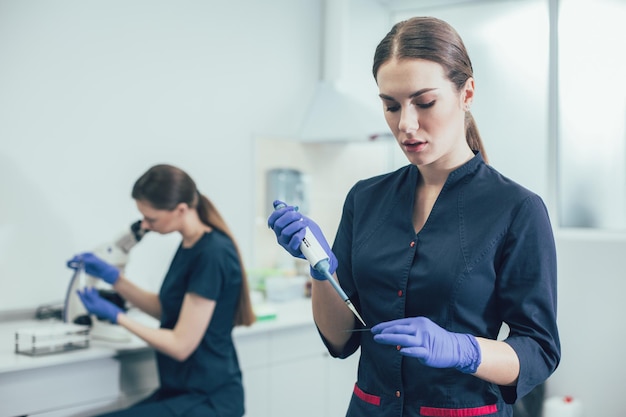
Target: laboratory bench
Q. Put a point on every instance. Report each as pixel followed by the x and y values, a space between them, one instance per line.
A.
pixel 284 363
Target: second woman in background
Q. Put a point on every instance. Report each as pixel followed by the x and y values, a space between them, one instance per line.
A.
pixel 203 295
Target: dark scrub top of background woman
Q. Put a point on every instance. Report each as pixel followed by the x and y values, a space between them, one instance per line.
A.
pixel 210 269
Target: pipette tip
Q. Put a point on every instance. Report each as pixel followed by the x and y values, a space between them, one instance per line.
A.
pixel 356 313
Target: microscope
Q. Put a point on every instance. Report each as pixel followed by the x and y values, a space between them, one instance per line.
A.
pixel 115 253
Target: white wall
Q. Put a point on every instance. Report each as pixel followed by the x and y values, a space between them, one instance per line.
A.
pixel 94 93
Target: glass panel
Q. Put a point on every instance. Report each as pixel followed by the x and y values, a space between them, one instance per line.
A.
pixel 592 107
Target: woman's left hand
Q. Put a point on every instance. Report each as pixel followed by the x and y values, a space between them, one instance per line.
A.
pixel 101 308
pixel 421 338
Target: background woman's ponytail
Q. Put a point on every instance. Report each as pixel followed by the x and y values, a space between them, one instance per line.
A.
pixel 211 217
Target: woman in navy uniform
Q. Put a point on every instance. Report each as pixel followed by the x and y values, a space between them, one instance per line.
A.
pixel 437 255
pixel 203 295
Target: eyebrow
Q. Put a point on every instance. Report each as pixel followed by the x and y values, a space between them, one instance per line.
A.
pixel 415 94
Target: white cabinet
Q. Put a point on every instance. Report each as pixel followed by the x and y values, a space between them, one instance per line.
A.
pixel 298 387
pixel 257 392
pixel 253 353
pixel 138 376
pixel 342 375
pixel 88 410
pixel 50 388
pixel 289 372
pixel 80 389
pixel 297 373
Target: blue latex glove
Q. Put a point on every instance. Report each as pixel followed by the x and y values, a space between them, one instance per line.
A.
pixel 434 346
pixel 289 226
pixel 95 267
pixel 98 306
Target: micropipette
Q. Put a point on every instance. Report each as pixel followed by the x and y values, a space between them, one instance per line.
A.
pixel 319 260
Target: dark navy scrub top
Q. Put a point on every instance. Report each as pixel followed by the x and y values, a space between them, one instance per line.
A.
pixel 485 256
pixel 210 269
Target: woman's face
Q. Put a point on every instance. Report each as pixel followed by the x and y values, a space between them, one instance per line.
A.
pixel 424 111
pixel 160 221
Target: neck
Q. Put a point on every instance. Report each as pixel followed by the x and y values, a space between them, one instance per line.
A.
pixel 193 231
pixel 436 173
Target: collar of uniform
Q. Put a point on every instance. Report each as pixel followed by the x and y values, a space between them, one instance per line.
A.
pixel 459 173
pixel 468 167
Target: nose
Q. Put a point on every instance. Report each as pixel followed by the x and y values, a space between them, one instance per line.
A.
pixel 145 225
pixel 408 119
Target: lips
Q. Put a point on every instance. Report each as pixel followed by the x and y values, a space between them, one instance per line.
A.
pixel 414 145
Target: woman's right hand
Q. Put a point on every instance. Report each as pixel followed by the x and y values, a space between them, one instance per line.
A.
pixel 95 267
pixel 287 224
pixel 290 228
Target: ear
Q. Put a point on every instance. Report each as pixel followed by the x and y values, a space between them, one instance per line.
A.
pixel 181 208
pixel 467 93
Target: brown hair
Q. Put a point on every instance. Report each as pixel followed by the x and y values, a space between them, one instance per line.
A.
pixel 164 187
pixel 434 40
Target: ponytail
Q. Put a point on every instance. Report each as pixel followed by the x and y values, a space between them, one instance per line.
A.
pixel 210 216
pixel 473 136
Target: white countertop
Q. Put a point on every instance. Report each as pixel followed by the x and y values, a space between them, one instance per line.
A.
pixel 295 313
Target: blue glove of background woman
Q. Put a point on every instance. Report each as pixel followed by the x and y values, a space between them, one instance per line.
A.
pixel 98 306
pixel 434 346
pixel 289 226
pixel 95 267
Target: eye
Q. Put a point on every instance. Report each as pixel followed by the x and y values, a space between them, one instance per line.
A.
pixel 393 108
pixel 425 105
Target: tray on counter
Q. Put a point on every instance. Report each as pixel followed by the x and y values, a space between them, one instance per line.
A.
pixel 50 338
